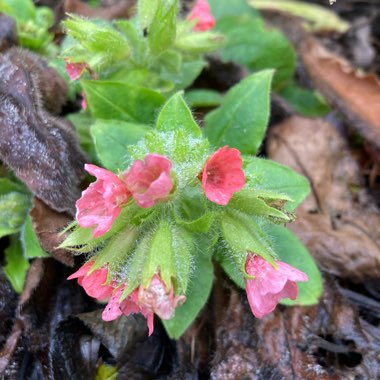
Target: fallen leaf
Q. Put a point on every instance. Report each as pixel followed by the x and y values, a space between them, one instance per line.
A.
pixel 338 222
pixel 41 149
pixel 48 225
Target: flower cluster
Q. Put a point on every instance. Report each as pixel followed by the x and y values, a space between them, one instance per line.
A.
pixel 201 12
pixel 148 182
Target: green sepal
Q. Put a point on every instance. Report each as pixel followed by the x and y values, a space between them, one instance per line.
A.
pixel 162 30
pixel 176 115
pixel 243 234
pixel 115 252
pixel 199 43
pixel 248 202
pixel 270 177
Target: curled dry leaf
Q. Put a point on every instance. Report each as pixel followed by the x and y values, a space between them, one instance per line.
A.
pixel 339 221
pixel 120 9
pixel 327 341
pixel 41 149
pixel 8 33
pixel 48 224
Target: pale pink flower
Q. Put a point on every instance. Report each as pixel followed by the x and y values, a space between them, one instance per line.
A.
pixel 101 203
pixel 75 69
pixel 94 284
pixel 149 180
pixel 159 299
pixel 130 305
pixel 155 299
pixel 202 13
pixel 223 175
pixel 84 101
pixel 269 284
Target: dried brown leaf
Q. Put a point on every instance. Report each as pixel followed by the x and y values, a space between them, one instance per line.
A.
pixel 48 225
pixel 339 221
pixel 41 149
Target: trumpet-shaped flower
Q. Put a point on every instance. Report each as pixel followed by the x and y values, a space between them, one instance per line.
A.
pixel 223 175
pixel 94 284
pixel 202 13
pixel 269 284
pixel 101 203
pixel 149 180
pixel 75 69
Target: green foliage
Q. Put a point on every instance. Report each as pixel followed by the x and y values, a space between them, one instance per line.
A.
pixel 222 8
pixel 196 296
pixel 203 98
pixel 30 243
pixel 106 372
pixel 17 264
pixel 242 118
pixel 122 101
pixel 250 44
pixel 14 206
pixel 306 102
pixel 271 179
pixel 32 23
pixel 112 138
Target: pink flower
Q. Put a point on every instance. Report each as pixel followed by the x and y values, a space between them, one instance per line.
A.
pixel 270 285
pixel 149 180
pixel 84 101
pixel 156 298
pixel 223 175
pixel 94 284
pixel 202 13
pixel 101 203
pixel 75 69
pixel 129 306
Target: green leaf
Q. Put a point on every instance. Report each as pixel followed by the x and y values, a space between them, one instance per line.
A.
pixel 162 31
pixel 222 8
pixel 106 372
pixel 229 266
pixel 199 43
pixel 175 115
pixel 248 202
pixel 17 265
pixel 293 252
pixel 14 206
pixel 146 10
pixel 249 43
pixel 122 101
pixel 305 102
pixel 241 120
pixel 111 139
pixel 270 176
pixel 243 233
pixel 197 295
pixel 203 98
pixel 24 10
pixel 30 243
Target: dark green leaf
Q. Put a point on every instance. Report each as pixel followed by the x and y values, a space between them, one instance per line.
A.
pixel 122 101
pixel 222 8
pixel 241 120
pixel 203 98
pixel 249 43
pixel 306 102
pixel 17 265
pixel 111 139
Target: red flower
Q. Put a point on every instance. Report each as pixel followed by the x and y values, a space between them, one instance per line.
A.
pixel 149 180
pixel 101 203
pixel 94 284
pixel 270 285
pixel 202 13
pixel 84 101
pixel 223 175
pixel 75 69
